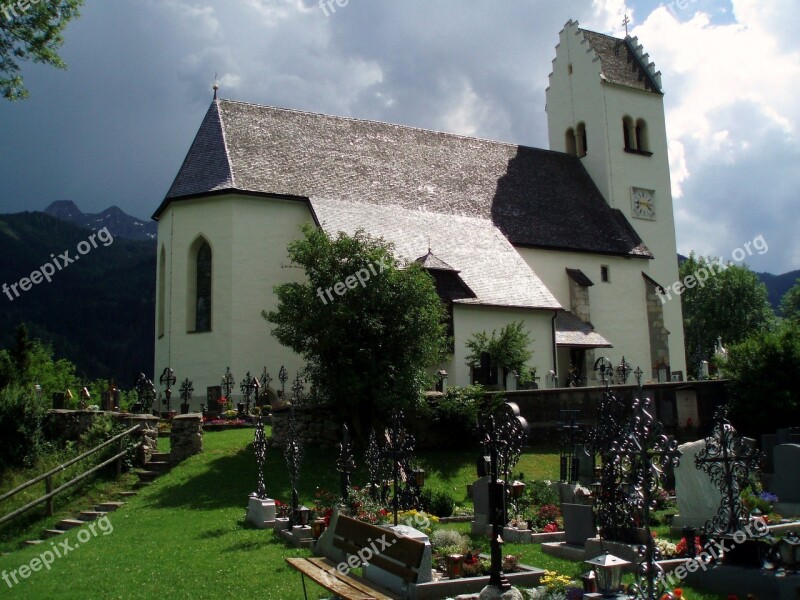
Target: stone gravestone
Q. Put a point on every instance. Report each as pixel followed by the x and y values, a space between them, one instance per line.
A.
pixel 578 523
pixel 213 394
pixel 686 405
pixel 786 483
pixel 480 501
pixel 698 499
pixel 784 434
pixel 585 465
pixel 768 443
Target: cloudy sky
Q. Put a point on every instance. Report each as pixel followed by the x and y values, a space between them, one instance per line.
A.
pixel 114 127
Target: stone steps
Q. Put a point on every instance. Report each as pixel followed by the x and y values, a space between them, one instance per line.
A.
pixel 159 466
pixel 109 506
pixel 67 524
pixel 90 515
pixel 49 533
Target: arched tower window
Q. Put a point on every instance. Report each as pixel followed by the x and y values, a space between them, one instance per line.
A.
pixel 570 144
pixel 581 144
pixel 642 144
pixel 198 296
pixel 629 134
pixel 162 278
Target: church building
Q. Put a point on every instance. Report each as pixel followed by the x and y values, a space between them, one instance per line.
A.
pixel 574 241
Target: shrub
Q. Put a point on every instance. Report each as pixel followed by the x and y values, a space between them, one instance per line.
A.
pixel 21 417
pixel 455 412
pixel 541 493
pixel 442 538
pixel 440 503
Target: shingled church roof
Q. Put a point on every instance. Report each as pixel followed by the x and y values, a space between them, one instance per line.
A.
pixel 536 198
pixel 491 269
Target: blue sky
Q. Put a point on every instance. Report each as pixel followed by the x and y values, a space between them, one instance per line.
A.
pixel 114 128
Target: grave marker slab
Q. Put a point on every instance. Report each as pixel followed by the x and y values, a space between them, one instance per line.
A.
pixel 698 499
pixel 786 483
pixel 578 523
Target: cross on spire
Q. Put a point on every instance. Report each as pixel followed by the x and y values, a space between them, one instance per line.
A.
pixel 625 22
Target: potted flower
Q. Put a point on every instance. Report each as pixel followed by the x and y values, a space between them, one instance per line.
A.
pixel 282 515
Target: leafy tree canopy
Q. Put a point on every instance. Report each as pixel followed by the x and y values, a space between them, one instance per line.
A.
pixel 765 388
pixel 790 303
pixel 31 31
pixel 369 348
pixel 731 304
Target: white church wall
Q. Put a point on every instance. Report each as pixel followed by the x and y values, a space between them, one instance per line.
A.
pixel 470 319
pixel 239 338
pixel 618 307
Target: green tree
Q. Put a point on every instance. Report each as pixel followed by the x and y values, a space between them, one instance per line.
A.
pixel 790 303
pixel 368 348
pixel 731 303
pixel 509 350
pixel 765 390
pixel 21 354
pixel 31 31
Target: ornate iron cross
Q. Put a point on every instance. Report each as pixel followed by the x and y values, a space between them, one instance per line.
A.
pixel 293 453
pixel 260 447
pixel 641 454
pixel 187 389
pixel 228 383
pixel 345 464
pixel 729 463
pixel 398 448
pixel 377 469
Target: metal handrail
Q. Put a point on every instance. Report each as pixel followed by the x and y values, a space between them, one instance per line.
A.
pixel 47 476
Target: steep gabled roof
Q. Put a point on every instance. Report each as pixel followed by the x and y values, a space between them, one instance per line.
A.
pixel 537 198
pixel 485 261
pixel 206 167
pixel 622 62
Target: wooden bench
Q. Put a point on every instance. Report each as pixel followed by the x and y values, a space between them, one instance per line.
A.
pixel 362 543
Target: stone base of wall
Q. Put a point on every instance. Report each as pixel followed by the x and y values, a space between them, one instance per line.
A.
pixel 186 438
pixel 315 426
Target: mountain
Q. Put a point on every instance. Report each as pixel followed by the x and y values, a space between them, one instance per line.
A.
pixel 119 223
pixel 97 311
pixel 778 285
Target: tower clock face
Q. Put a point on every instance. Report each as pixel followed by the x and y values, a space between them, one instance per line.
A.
pixel 643 205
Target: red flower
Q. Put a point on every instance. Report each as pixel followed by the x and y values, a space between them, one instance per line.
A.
pixel 550 528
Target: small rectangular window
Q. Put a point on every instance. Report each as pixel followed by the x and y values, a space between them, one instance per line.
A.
pixel 604 273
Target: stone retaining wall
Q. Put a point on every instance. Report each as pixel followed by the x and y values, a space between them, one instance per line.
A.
pixel 72 424
pixel 315 426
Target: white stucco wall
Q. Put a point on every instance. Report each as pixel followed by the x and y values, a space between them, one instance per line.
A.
pixel 471 319
pixel 248 237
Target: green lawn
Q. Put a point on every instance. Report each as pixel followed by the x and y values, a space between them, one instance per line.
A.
pixel 185 535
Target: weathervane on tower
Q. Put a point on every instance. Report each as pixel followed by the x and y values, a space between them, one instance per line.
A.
pixel 216 86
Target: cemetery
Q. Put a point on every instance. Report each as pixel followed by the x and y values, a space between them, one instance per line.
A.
pixel 611 506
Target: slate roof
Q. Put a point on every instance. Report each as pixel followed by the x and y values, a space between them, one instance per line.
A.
pixel 579 277
pixel 619 63
pixel 487 263
pixel 572 332
pixel 537 198
pixel 429 261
